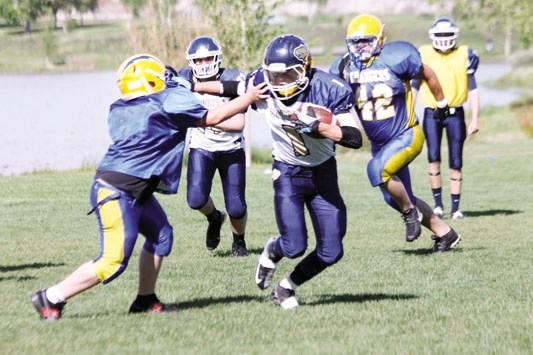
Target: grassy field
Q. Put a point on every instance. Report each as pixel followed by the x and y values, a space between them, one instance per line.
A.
pixel 385 296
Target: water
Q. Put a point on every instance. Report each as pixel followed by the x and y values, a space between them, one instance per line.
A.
pixel 58 121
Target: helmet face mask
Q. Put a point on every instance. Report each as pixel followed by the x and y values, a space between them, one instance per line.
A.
pixel 204 56
pixel 364 38
pixel 443 33
pixel 140 75
pixel 287 65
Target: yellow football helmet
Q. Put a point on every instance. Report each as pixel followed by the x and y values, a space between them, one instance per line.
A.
pixel 140 75
pixel 364 38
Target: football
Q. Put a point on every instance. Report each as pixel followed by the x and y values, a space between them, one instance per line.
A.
pixel 322 113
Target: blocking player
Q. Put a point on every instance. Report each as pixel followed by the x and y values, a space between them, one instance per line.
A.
pixel 148 128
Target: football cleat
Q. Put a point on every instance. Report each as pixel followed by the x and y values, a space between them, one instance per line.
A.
pixel 438 211
pixel 47 310
pixel 212 236
pixel 446 242
pixel 239 249
pixel 457 215
pixel 155 308
pixel 412 218
pixel 266 266
pixel 284 297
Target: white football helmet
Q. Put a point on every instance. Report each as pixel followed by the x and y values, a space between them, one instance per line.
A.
pixel 443 32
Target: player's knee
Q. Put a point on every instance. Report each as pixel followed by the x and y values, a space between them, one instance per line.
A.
pixel 196 200
pixel 373 170
pixel 294 250
pixel 236 209
pixel 108 269
pixel 332 257
pixel 456 164
pixel 163 245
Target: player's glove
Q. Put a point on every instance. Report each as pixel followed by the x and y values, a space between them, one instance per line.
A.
pixel 442 111
pixel 305 124
pixel 172 79
pixel 170 73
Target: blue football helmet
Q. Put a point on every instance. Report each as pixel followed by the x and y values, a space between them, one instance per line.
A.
pixel 204 56
pixel 287 66
pixel 443 32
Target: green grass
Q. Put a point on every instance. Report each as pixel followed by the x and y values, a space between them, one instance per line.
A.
pixel 385 296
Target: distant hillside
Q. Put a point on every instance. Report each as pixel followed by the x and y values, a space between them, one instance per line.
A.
pixel 112 9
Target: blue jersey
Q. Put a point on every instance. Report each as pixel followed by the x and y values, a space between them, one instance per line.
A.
pixel 288 145
pixel 382 90
pixel 148 135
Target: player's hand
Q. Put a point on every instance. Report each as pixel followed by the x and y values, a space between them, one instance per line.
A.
pixel 172 79
pixel 472 129
pixel 256 92
pixel 170 73
pixel 441 113
pixel 309 127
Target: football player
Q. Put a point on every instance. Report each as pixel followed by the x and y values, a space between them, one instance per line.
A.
pixel 304 168
pixel 220 147
pixel 148 127
pixel 379 74
pixel 456 67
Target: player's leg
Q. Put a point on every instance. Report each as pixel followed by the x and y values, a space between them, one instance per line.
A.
pixel 456 135
pixel 389 161
pixel 200 172
pixel 328 215
pixel 154 225
pixel 117 219
pixel 289 203
pixel 232 169
pixel 433 131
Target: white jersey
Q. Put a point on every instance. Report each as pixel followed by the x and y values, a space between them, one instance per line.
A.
pixel 211 138
pixel 291 147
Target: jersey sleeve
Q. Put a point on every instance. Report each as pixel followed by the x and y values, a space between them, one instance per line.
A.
pixel 337 67
pixel 182 102
pixel 332 92
pixel 473 62
pixel 405 60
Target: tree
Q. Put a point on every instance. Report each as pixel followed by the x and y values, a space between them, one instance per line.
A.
pixel 22 12
pixel 242 27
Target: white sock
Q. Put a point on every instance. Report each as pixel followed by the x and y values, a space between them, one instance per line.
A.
pixel 288 284
pixel 53 295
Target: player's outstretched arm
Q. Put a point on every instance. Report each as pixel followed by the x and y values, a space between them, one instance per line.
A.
pixel 235 106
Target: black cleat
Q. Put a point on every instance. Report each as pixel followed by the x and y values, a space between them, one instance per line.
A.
pixel 239 249
pixel 212 236
pixel 47 310
pixel 412 218
pixel 284 297
pixel 446 242
pixel 154 308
